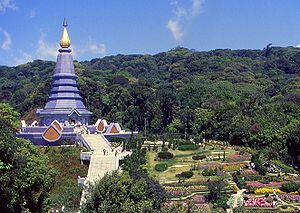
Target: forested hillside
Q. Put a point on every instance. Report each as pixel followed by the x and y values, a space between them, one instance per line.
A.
pixel 246 97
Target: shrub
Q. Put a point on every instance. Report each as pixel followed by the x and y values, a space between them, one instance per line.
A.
pixel 164 149
pixel 187 147
pixel 259 167
pixel 161 167
pixel 187 174
pixel 208 172
pixel 165 155
pixel 290 187
pixel 199 157
pixel 240 181
pixel 222 202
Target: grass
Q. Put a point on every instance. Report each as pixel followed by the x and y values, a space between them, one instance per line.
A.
pixel 184 158
pixel 66 161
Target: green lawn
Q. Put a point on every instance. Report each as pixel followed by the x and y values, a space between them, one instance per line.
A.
pixel 182 161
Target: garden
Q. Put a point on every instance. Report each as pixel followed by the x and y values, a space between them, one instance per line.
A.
pixel 187 170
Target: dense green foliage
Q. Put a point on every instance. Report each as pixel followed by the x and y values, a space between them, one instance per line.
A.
pixel 120 193
pixel 165 155
pixel 290 187
pixel 65 192
pixel 239 180
pixel 135 161
pixel 209 172
pixel 25 177
pixel 131 191
pixel 160 167
pixel 215 190
pixel 245 97
pixel 262 170
pixel 187 147
pixel 186 174
pixel 199 157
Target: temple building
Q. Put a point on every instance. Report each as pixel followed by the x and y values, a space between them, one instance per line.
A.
pixel 65 103
pixel 65 116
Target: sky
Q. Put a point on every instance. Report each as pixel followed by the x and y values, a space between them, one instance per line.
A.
pixel 31 29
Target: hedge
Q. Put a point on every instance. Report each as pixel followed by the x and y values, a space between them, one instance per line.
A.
pixel 161 167
pixel 165 155
pixel 209 172
pixel 188 147
pixel 199 157
pixel 290 187
pixel 187 174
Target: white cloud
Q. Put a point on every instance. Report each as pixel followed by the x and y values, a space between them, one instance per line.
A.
pixel 183 15
pixel 46 50
pixel 7 4
pixel 23 58
pixel 92 47
pixel 298 45
pixel 196 7
pixel 5 45
pixel 97 49
pixel 175 28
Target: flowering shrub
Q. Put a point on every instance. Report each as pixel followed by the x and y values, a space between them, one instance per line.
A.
pixel 258 202
pixel 238 158
pixel 257 184
pixel 178 191
pixel 290 197
pixel 209 166
pixel 234 167
pixel 203 207
pixel 223 167
pixel 248 172
pixel 267 190
pixel 199 199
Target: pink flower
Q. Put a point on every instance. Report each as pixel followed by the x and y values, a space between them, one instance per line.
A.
pixel 258 202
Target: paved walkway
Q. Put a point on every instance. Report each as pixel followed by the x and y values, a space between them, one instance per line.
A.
pixel 100 164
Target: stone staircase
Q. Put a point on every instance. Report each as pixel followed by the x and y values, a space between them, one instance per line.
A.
pixel 100 164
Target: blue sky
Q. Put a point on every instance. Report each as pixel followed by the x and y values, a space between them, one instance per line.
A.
pixel 31 29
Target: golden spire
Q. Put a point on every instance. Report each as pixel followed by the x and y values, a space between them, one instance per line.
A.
pixel 65 39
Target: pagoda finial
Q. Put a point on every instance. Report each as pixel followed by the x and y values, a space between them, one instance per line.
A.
pixel 65 39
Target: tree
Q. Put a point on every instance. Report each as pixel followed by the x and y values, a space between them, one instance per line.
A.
pixel 215 189
pixel 121 193
pixel 25 178
pixel 174 126
pixel 134 162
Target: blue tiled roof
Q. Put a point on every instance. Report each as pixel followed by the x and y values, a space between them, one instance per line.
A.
pixel 64 95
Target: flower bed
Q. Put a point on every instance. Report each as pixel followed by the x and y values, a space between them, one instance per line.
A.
pixel 257 184
pixel 187 184
pixel 249 172
pixel 203 207
pixel 183 191
pixel 199 199
pixel 258 202
pixel 290 197
pixel 224 167
pixel 234 167
pixel 267 190
pixel 209 166
pixel 238 158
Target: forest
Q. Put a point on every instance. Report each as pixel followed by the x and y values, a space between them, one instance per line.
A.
pixel 245 97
